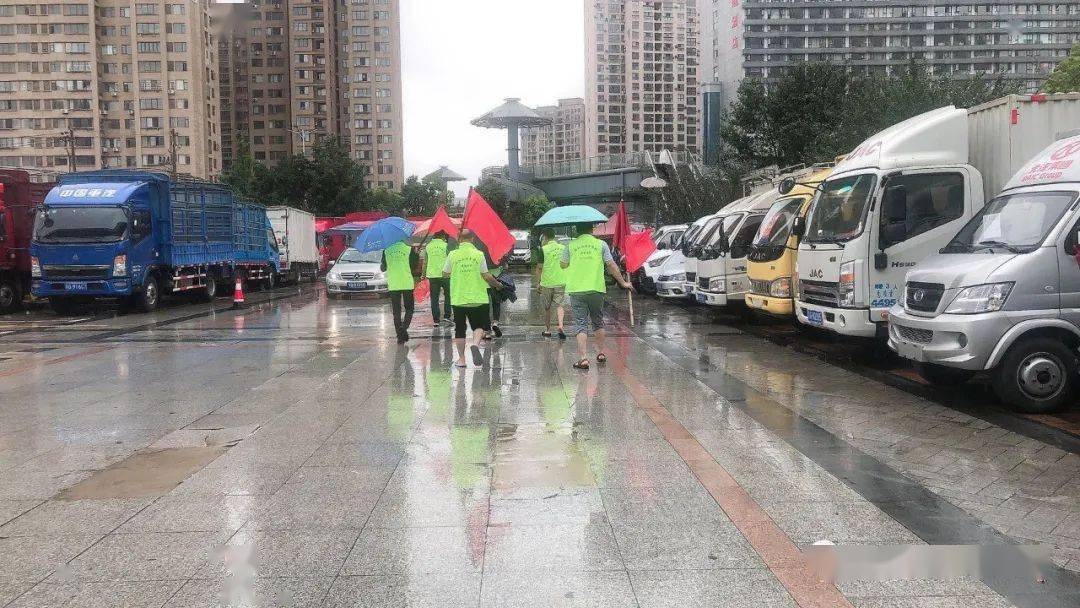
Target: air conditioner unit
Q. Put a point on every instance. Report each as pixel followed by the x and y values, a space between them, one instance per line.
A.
pixel 104 112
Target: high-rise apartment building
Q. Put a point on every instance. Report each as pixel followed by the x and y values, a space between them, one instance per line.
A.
pixel 109 83
pixel 560 141
pixel 641 76
pixel 1021 40
pixel 300 70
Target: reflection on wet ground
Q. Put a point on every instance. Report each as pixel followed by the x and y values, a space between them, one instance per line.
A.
pixel 304 459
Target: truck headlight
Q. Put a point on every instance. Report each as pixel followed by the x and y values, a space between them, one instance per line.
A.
pixel 379 276
pixel 717 284
pixel 658 261
pixel 119 266
pixel 980 298
pixel 679 277
pixel 845 295
pixel 35 268
pixel 780 288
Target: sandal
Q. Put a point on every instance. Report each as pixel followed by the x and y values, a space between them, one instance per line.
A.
pixel 562 335
pixel 583 364
pixel 546 334
pixel 601 358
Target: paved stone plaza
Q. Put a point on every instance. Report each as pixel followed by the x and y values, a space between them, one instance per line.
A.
pixel 291 454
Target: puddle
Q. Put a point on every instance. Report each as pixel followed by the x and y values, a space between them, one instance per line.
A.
pixel 146 473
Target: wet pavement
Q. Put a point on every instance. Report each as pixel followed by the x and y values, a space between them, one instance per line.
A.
pixel 291 454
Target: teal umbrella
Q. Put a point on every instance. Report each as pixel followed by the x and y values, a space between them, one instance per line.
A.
pixel 571 214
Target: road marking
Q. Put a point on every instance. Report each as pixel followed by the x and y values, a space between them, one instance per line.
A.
pixel 779 553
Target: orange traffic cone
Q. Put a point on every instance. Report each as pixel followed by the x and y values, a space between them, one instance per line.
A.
pixel 238 294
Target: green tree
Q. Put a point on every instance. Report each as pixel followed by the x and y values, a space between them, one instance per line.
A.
pixel 245 176
pixel 338 184
pixel 494 194
pixel 385 200
pixel 1066 76
pixel 527 213
pixel 420 197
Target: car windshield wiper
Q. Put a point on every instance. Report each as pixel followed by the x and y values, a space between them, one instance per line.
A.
pixel 992 244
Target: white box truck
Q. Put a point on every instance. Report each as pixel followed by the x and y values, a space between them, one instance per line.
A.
pixel 902 194
pixel 295 232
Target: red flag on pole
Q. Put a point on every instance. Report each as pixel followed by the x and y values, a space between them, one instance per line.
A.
pixel 482 220
pixel 441 221
pixel 637 248
pixel 622 228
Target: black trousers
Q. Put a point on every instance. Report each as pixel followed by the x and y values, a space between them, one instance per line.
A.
pixel 440 285
pixel 397 300
pixel 477 317
pixel 496 306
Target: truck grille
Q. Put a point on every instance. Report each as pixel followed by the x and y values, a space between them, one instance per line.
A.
pixel 357 276
pixel 759 287
pixel 923 297
pixel 52 271
pixel 822 293
pixel 703 282
pixel 691 277
pixel 914 334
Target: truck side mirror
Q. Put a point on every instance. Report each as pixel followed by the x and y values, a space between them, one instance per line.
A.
pixel 798 227
pixel 786 185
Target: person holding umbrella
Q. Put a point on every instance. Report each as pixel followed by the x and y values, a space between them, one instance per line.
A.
pixel 390 235
pixel 467 269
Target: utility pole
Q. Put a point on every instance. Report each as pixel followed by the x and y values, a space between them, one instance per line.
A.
pixel 172 153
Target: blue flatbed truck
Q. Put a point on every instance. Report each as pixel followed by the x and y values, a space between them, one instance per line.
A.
pixel 136 236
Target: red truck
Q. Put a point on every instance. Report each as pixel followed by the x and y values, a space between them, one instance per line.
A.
pixel 20 194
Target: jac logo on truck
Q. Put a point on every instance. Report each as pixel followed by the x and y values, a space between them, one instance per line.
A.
pixel 817 273
pixel 865 150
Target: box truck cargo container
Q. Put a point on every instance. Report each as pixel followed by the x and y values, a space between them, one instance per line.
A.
pixel 299 253
pixel 902 194
pixel 20 195
pixel 137 235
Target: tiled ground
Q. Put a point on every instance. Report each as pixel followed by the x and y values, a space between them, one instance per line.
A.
pixel 346 471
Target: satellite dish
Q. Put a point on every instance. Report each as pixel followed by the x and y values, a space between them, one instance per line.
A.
pixel 653 183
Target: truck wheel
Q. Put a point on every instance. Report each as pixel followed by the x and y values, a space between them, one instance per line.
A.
pixel 940 375
pixel 209 293
pixel 10 295
pixel 270 281
pixel 150 296
pixel 1036 376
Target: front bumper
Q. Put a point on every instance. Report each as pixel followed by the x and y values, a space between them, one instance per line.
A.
pixel 710 298
pixel 844 321
pixel 780 307
pixel 101 288
pixel 342 287
pixel 960 341
pixel 671 290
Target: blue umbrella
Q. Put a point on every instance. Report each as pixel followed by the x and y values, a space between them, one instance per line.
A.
pixel 571 214
pixel 383 234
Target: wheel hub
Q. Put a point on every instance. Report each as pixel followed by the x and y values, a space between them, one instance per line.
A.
pixel 1040 376
pixel 7 296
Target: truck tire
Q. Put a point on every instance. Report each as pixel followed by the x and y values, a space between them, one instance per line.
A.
pixel 208 293
pixel 148 299
pixel 10 295
pixel 940 375
pixel 1037 375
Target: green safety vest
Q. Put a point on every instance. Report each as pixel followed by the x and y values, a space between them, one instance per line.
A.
pixel 553 274
pixel 398 272
pixel 467 285
pixel 586 270
pixel 436 258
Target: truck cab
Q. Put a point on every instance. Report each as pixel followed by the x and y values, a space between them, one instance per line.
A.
pixel 693 248
pixel 771 261
pixel 671 273
pixel 721 276
pixel 1003 295
pixel 896 198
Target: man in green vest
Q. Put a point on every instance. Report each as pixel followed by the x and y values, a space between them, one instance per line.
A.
pixel 397 262
pixel 434 259
pixel 550 281
pixel 467 269
pixel 584 260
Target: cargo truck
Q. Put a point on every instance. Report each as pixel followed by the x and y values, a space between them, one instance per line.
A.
pixel 902 194
pixel 1003 295
pixel 20 194
pixel 298 251
pixel 135 236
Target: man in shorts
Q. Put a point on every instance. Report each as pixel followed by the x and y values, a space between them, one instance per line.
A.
pixel 585 260
pixel 550 279
pixel 467 270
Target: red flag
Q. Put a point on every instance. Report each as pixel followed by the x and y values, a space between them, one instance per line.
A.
pixel 421 291
pixel 637 248
pixel 622 228
pixel 441 221
pixel 482 220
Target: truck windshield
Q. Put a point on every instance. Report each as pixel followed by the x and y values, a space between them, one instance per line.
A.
pixel 707 232
pixel 776 227
pixel 353 256
pixel 80 225
pixel 1017 223
pixel 839 212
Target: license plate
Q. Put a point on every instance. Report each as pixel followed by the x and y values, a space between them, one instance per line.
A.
pixel 814 316
pixel 701 298
pixel 909 351
pixel 76 286
pixel 356 285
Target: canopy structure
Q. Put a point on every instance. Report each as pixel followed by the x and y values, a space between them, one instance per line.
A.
pixel 445 174
pixel 511 115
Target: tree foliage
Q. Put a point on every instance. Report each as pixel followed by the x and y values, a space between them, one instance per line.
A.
pixel 495 195
pixel 1066 76
pixel 816 111
pixel 693 192
pixel 524 215
pixel 421 196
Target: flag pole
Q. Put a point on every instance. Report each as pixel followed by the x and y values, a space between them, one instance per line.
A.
pixel 630 300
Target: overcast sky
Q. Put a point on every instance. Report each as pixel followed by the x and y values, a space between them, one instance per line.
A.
pixel 462 57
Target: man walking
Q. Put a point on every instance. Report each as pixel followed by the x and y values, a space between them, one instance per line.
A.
pixel 398 261
pixel 550 278
pixel 584 260
pixel 434 259
pixel 467 269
